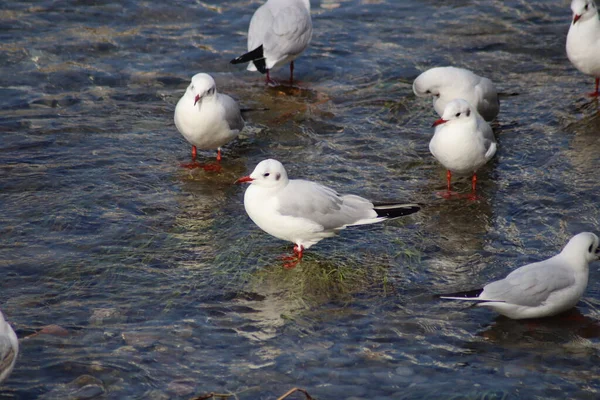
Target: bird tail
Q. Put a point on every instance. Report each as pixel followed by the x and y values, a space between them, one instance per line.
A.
pixel 256 56
pixel 469 295
pixel 395 210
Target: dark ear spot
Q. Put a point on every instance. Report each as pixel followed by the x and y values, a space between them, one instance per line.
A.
pixel 277 176
pixel 468 112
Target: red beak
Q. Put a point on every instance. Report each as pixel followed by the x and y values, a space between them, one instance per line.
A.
pixel 244 179
pixel 576 18
pixel 439 122
pixel 196 99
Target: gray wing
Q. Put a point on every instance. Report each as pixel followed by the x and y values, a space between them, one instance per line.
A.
pixel 259 26
pixel 290 32
pixel 7 354
pixel 489 104
pixel 233 116
pixel 530 285
pixel 322 205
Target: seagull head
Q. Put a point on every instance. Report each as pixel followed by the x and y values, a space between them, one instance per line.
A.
pixel 268 173
pixel 456 110
pixel 203 86
pixel 429 83
pixel 583 244
pixel 583 10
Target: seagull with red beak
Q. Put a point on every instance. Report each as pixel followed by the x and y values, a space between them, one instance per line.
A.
pixel 305 212
pixel 463 142
pixel 583 40
pixel 207 119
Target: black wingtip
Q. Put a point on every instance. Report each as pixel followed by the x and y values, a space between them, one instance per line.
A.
pixel 253 55
pixel 395 210
pixel 469 294
pixel 261 65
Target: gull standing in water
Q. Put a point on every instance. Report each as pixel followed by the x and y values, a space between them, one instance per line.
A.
pixel 280 30
pixel 9 348
pixel 583 40
pixel 305 212
pixel 445 84
pixel 541 289
pixel 207 119
pixel 463 142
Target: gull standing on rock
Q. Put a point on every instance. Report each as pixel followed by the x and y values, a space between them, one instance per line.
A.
pixel 9 348
pixel 541 289
pixel 207 119
pixel 448 83
pixel 280 30
pixel 463 142
pixel 305 212
pixel 583 40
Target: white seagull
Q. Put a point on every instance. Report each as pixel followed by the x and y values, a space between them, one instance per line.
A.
pixel 280 30
pixel 448 83
pixel 207 119
pixel 305 212
pixel 541 289
pixel 9 348
pixel 583 40
pixel 463 142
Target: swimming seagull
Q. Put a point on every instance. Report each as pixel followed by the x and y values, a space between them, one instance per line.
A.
pixel 9 348
pixel 583 40
pixel 463 142
pixel 305 212
pixel 445 84
pixel 207 119
pixel 541 289
pixel 279 32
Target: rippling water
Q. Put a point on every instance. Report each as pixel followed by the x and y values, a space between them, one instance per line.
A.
pixel 168 290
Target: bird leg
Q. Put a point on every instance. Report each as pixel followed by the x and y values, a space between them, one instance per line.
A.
pixel 295 259
pixel 207 167
pixel 473 195
pixel 448 193
pixel 596 93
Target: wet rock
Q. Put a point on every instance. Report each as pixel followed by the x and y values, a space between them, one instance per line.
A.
pixel 182 387
pixel 404 371
pixel 104 315
pixel 54 330
pixel 140 339
pixel 83 388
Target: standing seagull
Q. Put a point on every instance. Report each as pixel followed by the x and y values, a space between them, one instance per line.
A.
pixel 9 348
pixel 207 119
pixel 463 142
pixel 448 83
pixel 305 212
pixel 583 40
pixel 279 32
pixel 541 289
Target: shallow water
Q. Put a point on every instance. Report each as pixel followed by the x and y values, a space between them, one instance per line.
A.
pixel 168 290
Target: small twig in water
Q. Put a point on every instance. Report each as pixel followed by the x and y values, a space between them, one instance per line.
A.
pixel 212 395
pixel 294 390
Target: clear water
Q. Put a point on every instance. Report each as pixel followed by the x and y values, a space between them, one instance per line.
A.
pixel 168 290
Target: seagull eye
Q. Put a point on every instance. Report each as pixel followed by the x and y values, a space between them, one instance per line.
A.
pixel 586 7
pixel 428 92
pixel 457 115
pixel 591 249
pixel 266 174
pixel 211 91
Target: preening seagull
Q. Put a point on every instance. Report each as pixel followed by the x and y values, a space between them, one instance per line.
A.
pixel 445 84
pixel 541 289
pixel 305 212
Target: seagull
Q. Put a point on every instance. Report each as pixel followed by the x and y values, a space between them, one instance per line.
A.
pixel 9 348
pixel 583 40
pixel 279 32
pixel 448 83
pixel 541 289
pixel 463 142
pixel 207 119
pixel 305 212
